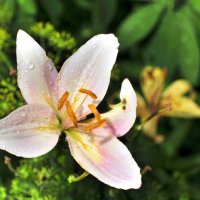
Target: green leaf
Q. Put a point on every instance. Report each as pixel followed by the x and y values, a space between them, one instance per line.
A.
pixel 188 54
pixel 53 9
pixel 195 4
pixel 175 45
pixel 162 50
pixel 103 13
pixel 138 24
pixel 176 139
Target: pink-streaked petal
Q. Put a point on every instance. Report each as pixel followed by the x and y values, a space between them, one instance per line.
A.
pixel 89 68
pixel 29 131
pixel 122 116
pixel 36 72
pixel 105 157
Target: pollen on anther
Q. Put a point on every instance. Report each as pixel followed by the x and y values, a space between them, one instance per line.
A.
pixel 94 110
pixel 89 93
pixel 95 125
pixel 71 114
pixel 63 100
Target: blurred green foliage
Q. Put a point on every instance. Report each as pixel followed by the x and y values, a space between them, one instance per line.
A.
pixel 151 32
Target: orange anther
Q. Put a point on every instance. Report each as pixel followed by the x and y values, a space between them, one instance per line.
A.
pixel 71 114
pixel 95 125
pixel 88 92
pixel 63 100
pixel 94 110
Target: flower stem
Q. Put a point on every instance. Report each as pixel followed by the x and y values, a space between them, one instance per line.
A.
pixel 72 178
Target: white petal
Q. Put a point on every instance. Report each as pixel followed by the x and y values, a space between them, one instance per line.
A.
pixel 36 72
pixel 122 116
pixel 90 68
pixel 105 157
pixel 29 131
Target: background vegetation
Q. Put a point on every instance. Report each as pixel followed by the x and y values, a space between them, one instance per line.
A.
pixel 162 33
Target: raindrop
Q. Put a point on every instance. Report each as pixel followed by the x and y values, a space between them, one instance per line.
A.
pixel 31 66
pixel 50 67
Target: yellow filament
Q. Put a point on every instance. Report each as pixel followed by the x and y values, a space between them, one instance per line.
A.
pixel 63 100
pixel 71 114
pixel 89 93
pixel 94 110
pixel 95 125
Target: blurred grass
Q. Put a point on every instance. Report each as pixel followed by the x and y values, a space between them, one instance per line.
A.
pixel 160 33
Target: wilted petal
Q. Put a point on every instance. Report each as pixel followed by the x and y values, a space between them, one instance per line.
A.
pixel 122 116
pixel 36 72
pixel 181 107
pixel 152 80
pixel 105 157
pixel 142 110
pixel 89 68
pixel 29 131
pixel 177 88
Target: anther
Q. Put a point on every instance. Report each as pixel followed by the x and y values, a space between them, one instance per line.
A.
pixel 94 110
pixel 63 100
pixel 95 125
pixel 71 114
pixel 89 93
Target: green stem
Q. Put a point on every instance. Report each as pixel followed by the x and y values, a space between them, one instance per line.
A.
pixel 72 178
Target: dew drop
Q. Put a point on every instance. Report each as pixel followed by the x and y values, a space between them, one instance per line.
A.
pixel 50 67
pixel 31 66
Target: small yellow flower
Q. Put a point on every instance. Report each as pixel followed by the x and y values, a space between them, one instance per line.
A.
pixel 157 97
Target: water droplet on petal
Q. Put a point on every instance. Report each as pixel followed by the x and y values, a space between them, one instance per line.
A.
pixel 50 67
pixel 23 115
pixel 31 66
pixel 3 147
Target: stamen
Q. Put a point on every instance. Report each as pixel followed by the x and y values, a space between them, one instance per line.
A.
pixel 88 92
pixel 95 125
pixel 71 114
pixel 94 110
pixel 63 100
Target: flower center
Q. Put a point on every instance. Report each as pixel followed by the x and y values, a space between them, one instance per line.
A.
pixel 91 124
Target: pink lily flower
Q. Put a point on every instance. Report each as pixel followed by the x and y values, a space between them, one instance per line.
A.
pixel 60 102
